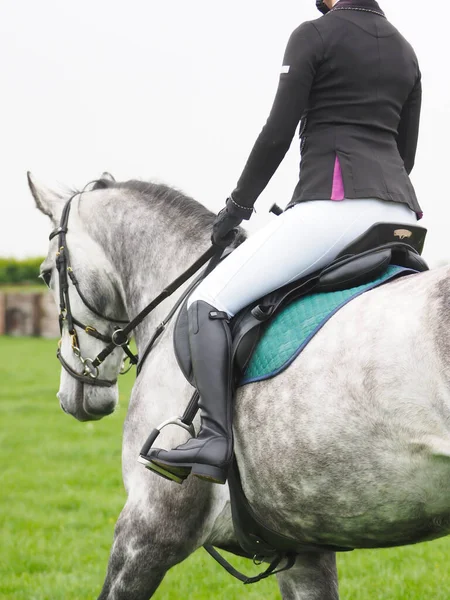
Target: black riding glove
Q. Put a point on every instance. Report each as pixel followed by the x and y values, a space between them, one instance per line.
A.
pixel 224 228
pixel 227 220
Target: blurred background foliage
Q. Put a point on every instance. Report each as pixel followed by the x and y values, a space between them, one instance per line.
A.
pixel 22 272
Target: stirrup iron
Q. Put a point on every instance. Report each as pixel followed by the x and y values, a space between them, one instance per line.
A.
pixel 148 464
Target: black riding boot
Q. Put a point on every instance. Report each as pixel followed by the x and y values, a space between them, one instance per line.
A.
pixel 209 455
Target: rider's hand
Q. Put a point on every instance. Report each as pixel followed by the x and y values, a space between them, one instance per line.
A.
pixel 224 228
pixel 226 222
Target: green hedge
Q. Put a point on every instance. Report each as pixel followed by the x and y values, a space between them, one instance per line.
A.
pixel 20 271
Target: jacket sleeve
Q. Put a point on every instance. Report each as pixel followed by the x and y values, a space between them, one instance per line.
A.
pixel 408 129
pixel 301 59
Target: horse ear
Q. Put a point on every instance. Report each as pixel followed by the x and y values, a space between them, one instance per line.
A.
pixel 47 201
pixel 105 181
pixel 107 176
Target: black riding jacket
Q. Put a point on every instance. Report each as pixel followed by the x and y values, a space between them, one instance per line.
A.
pixel 354 83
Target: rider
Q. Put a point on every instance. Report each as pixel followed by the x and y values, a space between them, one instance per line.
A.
pixel 354 83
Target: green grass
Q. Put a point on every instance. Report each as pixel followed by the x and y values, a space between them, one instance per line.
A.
pixel 61 492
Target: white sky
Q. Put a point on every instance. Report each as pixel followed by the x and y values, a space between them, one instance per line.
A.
pixel 175 91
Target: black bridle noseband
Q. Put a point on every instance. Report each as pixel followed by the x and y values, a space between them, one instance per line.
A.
pixel 120 338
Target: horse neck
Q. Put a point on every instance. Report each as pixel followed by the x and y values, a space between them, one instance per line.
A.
pixel 149 245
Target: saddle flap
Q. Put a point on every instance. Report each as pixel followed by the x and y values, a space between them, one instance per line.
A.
pixel 246 332
pixel 354 272
pixel 181 343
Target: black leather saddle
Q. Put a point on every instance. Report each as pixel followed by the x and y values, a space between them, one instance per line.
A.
pixel 365 259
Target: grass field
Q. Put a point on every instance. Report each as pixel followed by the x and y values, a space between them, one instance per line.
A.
pixel 61 492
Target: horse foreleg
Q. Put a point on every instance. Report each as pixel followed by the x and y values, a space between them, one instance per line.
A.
pixel 146 545
pixel 313 577
pixel 136 564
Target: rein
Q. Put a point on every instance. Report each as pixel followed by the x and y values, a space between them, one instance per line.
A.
pixel 162 326
pixel 120 337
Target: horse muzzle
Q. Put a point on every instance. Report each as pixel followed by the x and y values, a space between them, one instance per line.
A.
pixel 86 403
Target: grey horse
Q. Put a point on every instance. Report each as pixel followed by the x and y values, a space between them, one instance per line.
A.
pixel 349 447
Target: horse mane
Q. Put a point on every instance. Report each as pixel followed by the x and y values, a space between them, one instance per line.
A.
pixel 167 197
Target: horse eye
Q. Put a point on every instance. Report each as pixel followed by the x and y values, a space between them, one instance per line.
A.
pixel 47 277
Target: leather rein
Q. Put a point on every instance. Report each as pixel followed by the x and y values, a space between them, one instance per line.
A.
pixel 120 338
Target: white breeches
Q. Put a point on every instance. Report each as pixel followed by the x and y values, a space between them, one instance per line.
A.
pixel 302 240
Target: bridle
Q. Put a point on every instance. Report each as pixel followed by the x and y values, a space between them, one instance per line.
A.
pixel 120 338
pixel 90 374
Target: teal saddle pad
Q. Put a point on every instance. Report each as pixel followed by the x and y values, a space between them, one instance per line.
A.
pixel 294 327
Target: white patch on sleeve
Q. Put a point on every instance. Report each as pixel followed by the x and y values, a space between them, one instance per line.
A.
pixel 285 69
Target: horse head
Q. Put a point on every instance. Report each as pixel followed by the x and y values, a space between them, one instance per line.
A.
pixel 90 295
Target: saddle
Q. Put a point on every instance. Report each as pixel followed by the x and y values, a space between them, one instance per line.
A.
pixel 365 259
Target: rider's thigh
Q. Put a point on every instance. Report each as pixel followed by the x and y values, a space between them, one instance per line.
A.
pixel 302 240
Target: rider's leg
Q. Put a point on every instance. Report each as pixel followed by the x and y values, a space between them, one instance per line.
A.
pixel 302 240
pixel 207 456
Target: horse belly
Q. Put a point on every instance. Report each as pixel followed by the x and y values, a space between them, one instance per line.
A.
pixel 339 474
pixel 370 498
pixel 350 445
pixel 390 524
pixel 376 501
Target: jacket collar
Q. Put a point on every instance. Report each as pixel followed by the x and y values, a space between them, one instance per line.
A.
pixel 364 4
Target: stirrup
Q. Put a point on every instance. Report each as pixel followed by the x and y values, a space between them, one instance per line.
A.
pixel 159 469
